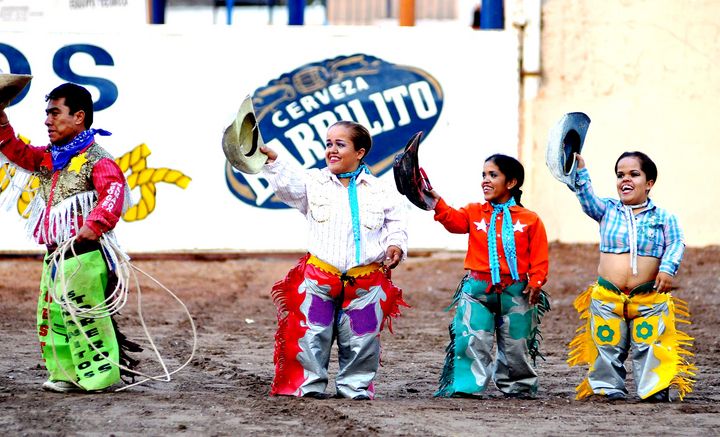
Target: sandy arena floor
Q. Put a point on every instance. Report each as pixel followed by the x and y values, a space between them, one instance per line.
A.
pixel 225 389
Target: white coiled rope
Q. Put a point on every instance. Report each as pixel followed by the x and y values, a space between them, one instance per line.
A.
pixel 113 303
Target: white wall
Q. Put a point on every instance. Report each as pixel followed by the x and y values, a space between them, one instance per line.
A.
pixel 180 87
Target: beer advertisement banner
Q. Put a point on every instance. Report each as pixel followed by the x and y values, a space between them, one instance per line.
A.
pixel 168 95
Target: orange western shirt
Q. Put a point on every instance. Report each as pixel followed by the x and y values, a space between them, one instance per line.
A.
pixel 531 242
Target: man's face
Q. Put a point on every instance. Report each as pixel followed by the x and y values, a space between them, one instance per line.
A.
pixel 63 126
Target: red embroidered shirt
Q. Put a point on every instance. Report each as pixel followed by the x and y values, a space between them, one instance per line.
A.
pixel 107 178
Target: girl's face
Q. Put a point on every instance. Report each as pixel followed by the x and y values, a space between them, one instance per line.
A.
pixel 496 188
pixel 632 184
pixel 340 153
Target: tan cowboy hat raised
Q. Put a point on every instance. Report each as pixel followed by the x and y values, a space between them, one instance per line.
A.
pixel 10 86
pixel 242 141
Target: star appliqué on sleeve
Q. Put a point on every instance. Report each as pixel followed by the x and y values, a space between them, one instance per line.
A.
pixel 77 162
pixel 518 227
pixel 481 225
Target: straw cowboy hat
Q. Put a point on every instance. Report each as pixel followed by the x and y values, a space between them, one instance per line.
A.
pixel 10 86
pixel 566 139
pixel 410 178
pixel 241 141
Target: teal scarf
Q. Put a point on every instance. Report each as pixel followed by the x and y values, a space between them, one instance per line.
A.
pixel 354 208
pixel 508 241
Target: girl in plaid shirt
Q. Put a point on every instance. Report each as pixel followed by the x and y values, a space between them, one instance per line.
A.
pixel 641 247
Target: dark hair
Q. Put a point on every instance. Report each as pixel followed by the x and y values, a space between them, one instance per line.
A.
pixel 512 169
pixel 77 98
pixel 358 134
pixel 646 164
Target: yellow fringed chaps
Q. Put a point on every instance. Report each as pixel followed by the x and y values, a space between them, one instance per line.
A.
pixel 670 348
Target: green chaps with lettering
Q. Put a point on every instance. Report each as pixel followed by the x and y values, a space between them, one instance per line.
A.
pixel 83 350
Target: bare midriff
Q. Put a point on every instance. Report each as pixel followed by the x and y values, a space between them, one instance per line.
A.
pixel 615 267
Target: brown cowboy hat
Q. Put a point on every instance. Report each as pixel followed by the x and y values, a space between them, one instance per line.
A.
pixel 241 141
pixel 10 86
pixel 410 178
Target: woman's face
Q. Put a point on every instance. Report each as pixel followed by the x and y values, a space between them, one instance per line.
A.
pixel 340 153
pixel 496 188
pixel 632 184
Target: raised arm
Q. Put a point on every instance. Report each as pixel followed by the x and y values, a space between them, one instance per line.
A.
pixel 287 179
pixel 15 151
pixel 455 221
pixel 591 204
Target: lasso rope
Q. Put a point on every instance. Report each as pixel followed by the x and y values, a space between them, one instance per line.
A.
pixel 114 302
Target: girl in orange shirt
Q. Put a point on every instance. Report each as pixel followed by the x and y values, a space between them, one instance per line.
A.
pixel 501 295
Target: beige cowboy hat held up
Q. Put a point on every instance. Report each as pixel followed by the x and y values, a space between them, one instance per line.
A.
pixel 241 141
pixel 10 86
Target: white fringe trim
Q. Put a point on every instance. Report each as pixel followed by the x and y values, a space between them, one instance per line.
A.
pixel 16 186
pixel 63 217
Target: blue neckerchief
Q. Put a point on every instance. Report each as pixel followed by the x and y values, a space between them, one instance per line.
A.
pixel 354 208
pixel 508 241
pixel 61 155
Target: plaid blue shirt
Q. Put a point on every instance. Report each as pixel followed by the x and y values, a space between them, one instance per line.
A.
pixel 659 234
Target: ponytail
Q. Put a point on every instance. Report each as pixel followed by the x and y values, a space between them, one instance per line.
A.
pixel 517 194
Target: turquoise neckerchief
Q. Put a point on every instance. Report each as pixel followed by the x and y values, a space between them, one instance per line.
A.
pixel 354 208
pixel 508 241
pixel 61 155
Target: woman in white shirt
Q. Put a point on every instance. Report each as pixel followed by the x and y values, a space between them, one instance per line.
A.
pixel 341 288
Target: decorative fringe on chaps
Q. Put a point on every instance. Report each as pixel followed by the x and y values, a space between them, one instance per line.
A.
pixel 447 377
pixel 683 343
pixel 535 337
pixel 582 349
pixel 289 373
pixel 284 345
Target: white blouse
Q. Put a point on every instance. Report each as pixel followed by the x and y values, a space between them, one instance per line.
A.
pixel 324 201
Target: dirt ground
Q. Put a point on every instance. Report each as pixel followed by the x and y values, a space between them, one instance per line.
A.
pixel 225 389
